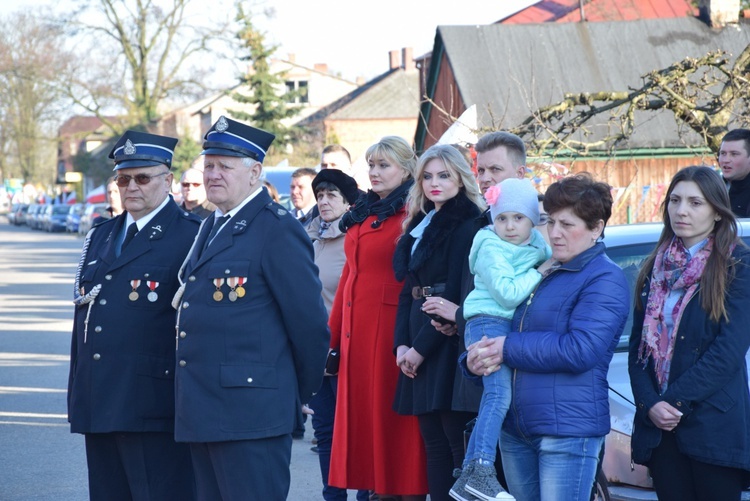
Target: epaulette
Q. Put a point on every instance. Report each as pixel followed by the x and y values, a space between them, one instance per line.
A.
pixel 190 216
pixel 277 209
pixel 102 221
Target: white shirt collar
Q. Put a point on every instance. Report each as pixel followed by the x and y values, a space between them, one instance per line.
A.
pixel 142 222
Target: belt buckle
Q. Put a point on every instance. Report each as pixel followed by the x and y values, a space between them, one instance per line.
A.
pixel 427 291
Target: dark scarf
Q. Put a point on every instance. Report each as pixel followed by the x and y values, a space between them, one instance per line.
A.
pixel 370 204
pixel 445 221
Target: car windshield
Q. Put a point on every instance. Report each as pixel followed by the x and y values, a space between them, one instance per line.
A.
pixel 60 209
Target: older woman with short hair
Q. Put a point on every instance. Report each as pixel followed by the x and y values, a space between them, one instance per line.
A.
pixel 562 340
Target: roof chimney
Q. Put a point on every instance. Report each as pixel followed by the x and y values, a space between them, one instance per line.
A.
pixel 292 57
pixel 719 13
pixel 393 59
pixel 407 58
pixel 321 67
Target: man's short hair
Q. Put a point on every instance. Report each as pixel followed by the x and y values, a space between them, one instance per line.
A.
pixel 512 143
pixel 337 148
pixel 739 135
pixel 304 171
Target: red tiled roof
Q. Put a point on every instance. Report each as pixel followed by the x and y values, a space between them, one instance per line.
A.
pixel 561 11
pixel 77 124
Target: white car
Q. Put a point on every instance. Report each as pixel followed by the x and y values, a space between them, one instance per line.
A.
pixel 628 246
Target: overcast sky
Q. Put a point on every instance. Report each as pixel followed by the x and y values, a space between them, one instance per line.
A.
pixel 352 36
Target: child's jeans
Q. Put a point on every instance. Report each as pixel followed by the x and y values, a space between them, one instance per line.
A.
pixel 497 392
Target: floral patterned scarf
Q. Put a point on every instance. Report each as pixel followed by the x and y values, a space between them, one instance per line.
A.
pixel 674 270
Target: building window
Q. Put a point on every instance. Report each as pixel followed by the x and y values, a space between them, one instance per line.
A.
pixel 299 86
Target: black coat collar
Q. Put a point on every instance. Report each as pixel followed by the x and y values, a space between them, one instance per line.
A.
pixel 453 213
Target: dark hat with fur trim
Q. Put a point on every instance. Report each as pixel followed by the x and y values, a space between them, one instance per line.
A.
pixel 345 183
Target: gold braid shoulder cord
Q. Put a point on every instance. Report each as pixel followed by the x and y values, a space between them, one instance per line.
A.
pixel 79 298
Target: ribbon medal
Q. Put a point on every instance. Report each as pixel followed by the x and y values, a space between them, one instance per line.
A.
pixel 218 295
pixel 240 290
pixel 152 296
pixel 133 296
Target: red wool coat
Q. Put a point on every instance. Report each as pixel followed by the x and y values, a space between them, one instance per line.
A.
pixel 373 447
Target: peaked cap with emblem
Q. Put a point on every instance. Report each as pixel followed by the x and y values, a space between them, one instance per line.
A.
pixel 139 149
pixel 234 139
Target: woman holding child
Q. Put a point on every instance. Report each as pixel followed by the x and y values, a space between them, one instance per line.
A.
pixel 442 203
pixel 561 341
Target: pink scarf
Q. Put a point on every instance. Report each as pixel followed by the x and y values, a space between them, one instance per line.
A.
pixel 672 272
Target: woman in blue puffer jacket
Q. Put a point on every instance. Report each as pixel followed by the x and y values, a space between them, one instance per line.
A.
pixel 563 338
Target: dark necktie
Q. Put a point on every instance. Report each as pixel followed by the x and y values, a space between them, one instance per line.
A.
pixel 218 223
pixel 132 230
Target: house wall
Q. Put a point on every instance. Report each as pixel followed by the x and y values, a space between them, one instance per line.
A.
pixel 447 97
pixel 358 135
pixel 638 184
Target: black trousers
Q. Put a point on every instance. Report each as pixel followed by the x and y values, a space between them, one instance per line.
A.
pixel 443 436
pixel 243 470
pixel 679 478
pixel 138 467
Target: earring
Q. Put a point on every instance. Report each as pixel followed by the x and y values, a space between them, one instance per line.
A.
pixel 717 219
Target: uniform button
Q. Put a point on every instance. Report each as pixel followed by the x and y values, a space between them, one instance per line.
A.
pixel 227 272
pixel 679 404
pixel 183 334
pixel 98 328
pixel 97 356
pixel 682 337
pixel 185 304
pixel 249 380
pixel 146 275
pixel 102 302
pixel 183 363
pixel 107 277
pixel 166 372
pixel 191 278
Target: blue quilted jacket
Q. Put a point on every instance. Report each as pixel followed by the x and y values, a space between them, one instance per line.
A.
pixel 563 338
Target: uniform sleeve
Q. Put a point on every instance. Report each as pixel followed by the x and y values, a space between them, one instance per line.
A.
pixel 725 355
pixel 595 321
pixel 293 279
pixel 505 284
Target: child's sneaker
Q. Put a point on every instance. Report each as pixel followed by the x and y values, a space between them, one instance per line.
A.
pixel 483 484
pixel 458 491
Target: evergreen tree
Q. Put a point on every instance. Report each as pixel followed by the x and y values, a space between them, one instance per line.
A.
pixel 271 106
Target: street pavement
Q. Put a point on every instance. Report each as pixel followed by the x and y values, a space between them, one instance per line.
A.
pixel 39 458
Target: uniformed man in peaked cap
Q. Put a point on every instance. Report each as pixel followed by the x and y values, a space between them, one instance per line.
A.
pixel 252 333
pixel 121 386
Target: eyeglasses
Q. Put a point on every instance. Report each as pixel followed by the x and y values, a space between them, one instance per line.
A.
pixel 188 185
pixel 122 180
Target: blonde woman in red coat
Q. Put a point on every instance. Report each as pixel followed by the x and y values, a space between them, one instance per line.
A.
pixel 373 447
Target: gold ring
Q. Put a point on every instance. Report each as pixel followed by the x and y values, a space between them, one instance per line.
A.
pixel 441 301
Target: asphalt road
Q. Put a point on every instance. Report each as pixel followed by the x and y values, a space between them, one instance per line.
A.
pixel 39 458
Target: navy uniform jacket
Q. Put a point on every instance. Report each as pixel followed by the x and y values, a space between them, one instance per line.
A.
pixel 244 366
pixel 122 376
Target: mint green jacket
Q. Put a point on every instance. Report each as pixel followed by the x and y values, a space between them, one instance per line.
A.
pixel 504 273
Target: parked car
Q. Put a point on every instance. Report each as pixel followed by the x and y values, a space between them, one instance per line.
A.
pixel 90 213
pixel 628 246
pixel 53 217
pixel 281 179
pixel 17 214
pixel 34 215
pixel 73 218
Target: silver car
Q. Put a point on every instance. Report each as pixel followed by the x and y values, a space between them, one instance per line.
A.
pixel 628 246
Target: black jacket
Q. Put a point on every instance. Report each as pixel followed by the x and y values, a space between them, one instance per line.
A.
pixel 439 258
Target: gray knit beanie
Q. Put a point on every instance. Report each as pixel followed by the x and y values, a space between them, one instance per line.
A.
pixel 514 195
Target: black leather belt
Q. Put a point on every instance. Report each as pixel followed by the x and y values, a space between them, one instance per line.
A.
pixel 433 290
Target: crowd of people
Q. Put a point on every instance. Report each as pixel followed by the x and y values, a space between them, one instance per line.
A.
pixel 437 302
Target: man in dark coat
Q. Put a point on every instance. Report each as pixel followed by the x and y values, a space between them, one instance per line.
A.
pixel 121 385
pixel 252 329
pixel 734 160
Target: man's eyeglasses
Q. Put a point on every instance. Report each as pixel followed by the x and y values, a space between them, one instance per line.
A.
pixel 122 180
pixel 188 185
